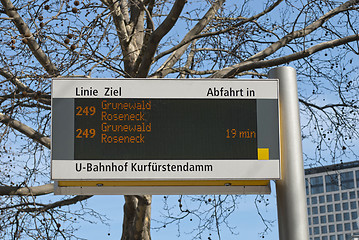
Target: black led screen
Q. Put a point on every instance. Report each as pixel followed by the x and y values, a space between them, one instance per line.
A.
pixel 155 129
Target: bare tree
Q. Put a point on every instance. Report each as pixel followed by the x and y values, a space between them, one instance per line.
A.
pixel 157 39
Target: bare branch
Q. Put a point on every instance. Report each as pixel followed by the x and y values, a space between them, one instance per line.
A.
pixel 194 34
pixel 61 203
pixel 252 64
pixel 331 106
pixel 194 37
pixel 190 59
pixel 24 88
pixel 27 191
pixel 9 76
pixel 157 35
pixel 183 45
pixel 28 131
pixel 31 42
pixel 303 32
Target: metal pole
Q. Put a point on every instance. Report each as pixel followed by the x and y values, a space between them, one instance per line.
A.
pixel 291 196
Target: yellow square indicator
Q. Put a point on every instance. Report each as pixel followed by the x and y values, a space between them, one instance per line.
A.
pixel 263 153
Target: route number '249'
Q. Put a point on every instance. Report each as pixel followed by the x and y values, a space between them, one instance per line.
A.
pixel 85 133
pixel 85 111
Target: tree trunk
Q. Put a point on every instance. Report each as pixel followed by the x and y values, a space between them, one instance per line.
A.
pixel 137 216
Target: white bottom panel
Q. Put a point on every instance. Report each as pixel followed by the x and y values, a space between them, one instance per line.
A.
pixel 164 169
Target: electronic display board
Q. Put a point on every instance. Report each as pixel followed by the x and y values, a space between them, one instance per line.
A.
pixel 165 129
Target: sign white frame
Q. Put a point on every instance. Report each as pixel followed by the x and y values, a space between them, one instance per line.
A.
pixel 63 170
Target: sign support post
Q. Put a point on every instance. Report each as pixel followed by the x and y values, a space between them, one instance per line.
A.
pixel 291 197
